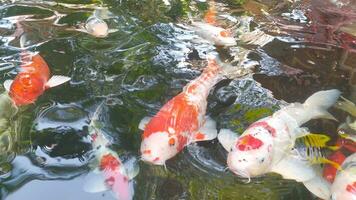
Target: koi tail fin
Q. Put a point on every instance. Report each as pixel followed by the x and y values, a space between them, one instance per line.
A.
pixel 227 70
pixel 314 107
pixel 347 106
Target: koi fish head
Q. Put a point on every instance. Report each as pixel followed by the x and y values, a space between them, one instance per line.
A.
pixel 252 154
pixel 26 88
pixel 34 64
pixel 159 147
pixel 217 35
pixel 97 27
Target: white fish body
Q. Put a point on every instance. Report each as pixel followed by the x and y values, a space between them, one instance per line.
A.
pixel 266 146
pixel 214 34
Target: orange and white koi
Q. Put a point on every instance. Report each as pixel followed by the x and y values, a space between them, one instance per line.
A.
pixel 110 173
pixel 267 145
pixel 210 31
pixel 181 121
pixel 32 80
pixel 344 186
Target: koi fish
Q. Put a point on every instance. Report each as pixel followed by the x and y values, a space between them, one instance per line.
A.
pixel 95 24
pixel 182 121
pixel 344 186
pixel 110 173
pixel 32 80
pixel 211 32
pixel 267 145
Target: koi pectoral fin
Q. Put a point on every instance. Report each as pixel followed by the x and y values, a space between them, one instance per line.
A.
pixel 293 168
pixel 206 132
pixel 144 122
pixel 7 84
pixel 131 168
pixel 57 80
pixel 94 182
pixel 227 138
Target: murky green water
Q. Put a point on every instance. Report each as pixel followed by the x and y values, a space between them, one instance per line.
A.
pixel 138 68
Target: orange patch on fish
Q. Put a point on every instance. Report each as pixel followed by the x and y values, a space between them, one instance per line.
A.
pixel 199 136
pixel 210 16
pixel 248 142
pixel 147 152
pixel 109 162
pixel 185 118
pixel 225 33
pixel 30 82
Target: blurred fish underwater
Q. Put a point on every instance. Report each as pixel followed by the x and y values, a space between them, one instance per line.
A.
pixel 136 55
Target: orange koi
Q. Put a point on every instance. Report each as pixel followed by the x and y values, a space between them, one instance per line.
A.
pixel 32 80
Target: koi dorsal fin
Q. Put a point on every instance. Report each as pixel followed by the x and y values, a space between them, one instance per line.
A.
pixel 57 80
pixel 7 85
pixel 131 168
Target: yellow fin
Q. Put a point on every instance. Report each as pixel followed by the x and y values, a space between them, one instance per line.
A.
pixel 315 140
pixel 318 140
pixel 334 164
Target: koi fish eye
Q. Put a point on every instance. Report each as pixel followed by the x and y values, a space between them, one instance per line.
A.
pixel 171 142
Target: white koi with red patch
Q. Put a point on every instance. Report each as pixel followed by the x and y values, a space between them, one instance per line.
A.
pixel 344 186
pixel 111 173
pixel 182 119
pixel 266 146
pixel 214 34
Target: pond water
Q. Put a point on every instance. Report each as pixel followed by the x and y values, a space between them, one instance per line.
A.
pixel 147 60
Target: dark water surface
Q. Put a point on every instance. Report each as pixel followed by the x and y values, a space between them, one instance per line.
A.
pixel 138 68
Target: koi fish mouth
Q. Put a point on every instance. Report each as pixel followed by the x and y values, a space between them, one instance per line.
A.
pixel 151 159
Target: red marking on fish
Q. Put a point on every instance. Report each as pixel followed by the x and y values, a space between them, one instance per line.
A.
pixel 199 136
pixel 94 136
pixel 266 126
pixel 351 188
pixel 30 82
pixel 329 171
pixel 109 162
pixel 110 181
pixel 248 142
pixel 156 159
